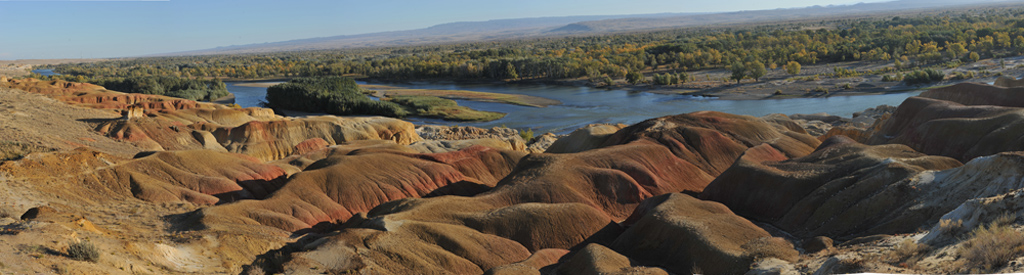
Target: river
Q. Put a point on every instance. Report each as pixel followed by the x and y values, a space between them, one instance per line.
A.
pixel 586 105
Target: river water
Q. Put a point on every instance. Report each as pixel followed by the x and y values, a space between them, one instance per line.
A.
pixel 586 105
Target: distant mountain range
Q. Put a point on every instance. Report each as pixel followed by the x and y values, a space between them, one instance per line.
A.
pixel 577 25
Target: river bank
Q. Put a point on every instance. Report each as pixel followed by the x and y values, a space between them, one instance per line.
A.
pixel 813 81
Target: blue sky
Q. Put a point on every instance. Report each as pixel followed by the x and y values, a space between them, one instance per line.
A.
pixel 95 29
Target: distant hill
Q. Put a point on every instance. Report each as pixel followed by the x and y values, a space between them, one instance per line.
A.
pixel 449 32
pixel 632 24
pixel 575 25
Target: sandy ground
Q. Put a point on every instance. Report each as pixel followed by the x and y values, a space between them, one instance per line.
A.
pixel 259 84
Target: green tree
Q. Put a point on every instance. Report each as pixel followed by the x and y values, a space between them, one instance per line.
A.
pixel 756 70
pixel 793 68
pixel 956 50
pixel 975 57
pixel 510 71
pixel 634 78
pixel 739 71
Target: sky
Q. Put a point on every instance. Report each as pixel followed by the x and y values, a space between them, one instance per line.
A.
pixel 34 29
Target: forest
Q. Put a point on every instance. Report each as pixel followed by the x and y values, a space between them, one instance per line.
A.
pixel 192 89
pixel 913 42
pixel 333 95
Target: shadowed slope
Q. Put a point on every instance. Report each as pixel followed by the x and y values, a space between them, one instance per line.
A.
pixel 939 127
pixel 681 233
pixel 844 189
pixel 350 181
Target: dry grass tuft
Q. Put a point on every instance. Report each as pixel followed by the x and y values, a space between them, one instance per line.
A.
pixel 907 253
pixel 993 246
pixel 84 251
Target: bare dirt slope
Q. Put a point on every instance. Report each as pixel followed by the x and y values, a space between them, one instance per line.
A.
pixel 31 122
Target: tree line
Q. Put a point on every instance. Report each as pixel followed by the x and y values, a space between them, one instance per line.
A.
pixel 913 42
pixel 192 89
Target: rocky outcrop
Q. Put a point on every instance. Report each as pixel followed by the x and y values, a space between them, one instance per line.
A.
pixel 265 140
pixel 441 146
pixel 160 123
pixel 586 138
pixel 986 189
pixel 453 133
pixel 541 143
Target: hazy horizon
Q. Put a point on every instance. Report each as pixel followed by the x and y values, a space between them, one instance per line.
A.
pixel 104 29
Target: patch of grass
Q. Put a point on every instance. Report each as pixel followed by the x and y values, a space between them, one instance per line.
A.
pixel 84 251
pixel 993 246
pixel 447 109
pixel 523 100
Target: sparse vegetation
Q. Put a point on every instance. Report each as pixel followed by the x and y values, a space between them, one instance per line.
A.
pixel 907 253
pixel 84 251
pixel 10 150
pixel 447 109
pixel 990 247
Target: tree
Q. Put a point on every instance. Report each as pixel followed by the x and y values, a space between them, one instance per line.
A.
pixel 510 71
pixel 756 70
pixel 975 57
pixel 634 78
pixel 956 50
pixel 793 68
pixel 739 71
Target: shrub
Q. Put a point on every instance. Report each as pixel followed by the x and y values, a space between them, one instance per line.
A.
pixel 907 252
pixel 992 246
pixel 923 77
pixel 892 78
pixel 526 134
pixel 84 251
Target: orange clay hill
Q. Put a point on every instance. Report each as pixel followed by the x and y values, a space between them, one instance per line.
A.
pixel 102 182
